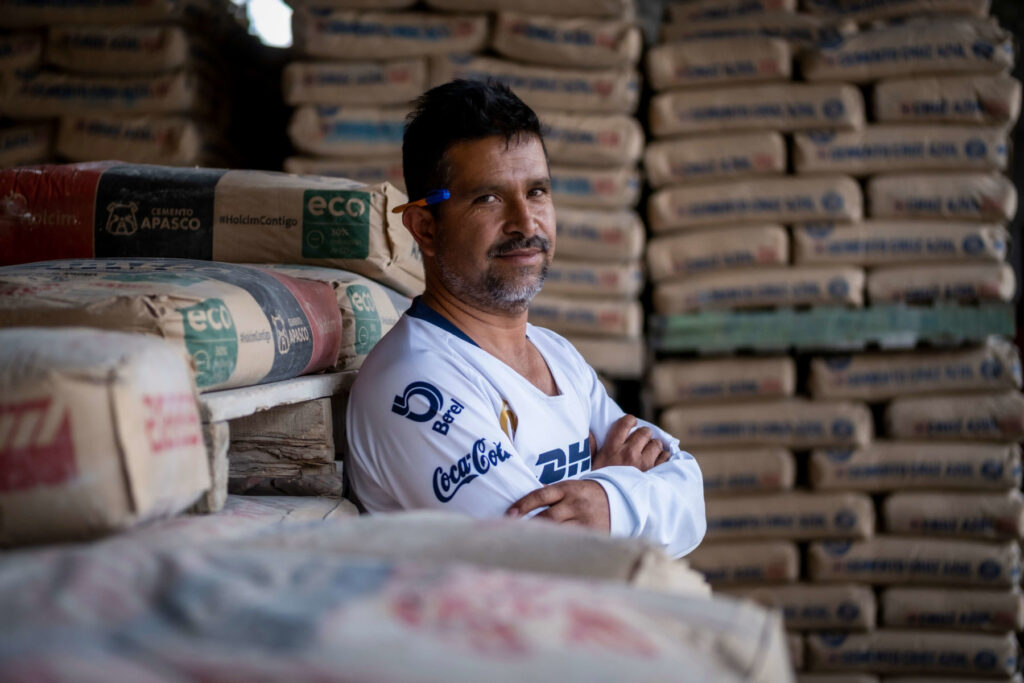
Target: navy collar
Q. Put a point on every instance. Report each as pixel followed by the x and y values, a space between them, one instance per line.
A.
pixel 421 310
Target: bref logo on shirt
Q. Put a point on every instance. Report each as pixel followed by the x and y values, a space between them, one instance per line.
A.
pixel 426 391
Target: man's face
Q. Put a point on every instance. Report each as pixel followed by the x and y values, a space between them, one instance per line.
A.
pixel 496 234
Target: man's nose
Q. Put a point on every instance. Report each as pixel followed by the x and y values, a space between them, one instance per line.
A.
pixel 519 217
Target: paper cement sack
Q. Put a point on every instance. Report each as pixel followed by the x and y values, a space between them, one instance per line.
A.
pixel 892 149
pixel 50 94
pixel 909 559
pixel 146 139
pixel 981 516
pixel 945 196
pixel 615 358
pixel 703 10
pixel 368 310
pixel 773 200
pixel 117 49
pixel 718 62
pixel 603 91
pixel 746 471
pixel 240 325
pixel 874 376
pixel 348 131
pixel 783 107
pixel 714 157
pixel 917 47
pixel 722 379
pixel 570 315
pixel 608 9
pixel 792 515
pixel 20 51
pixel 109 209
pixel 802 30
pixel 599 235
pixel 793 422
pixel 25 144
pixel 98 431
pixel 900 465
pixel 607 281
pixel 571 42
pixel 592 188
pixel 592 139
pixel 747 563
pixel 892 651
pixel 370 171
pixel 326 33
pixel 397 81
pixel 954 282
pixel 731 290
pixel 988 417
pixel 880 242
pixel 671 257
pixel 795 646
pixel 872 10
pixel 953 609
pixel 41 13
pixel 811 607
pixel 985 100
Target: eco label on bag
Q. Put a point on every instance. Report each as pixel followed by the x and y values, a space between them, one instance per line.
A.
pixel 368 325
pixel 211 340
pixel 335 224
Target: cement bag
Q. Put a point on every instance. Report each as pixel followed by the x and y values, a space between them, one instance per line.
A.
pixel 607 9
pixel 954 282
pixel 758 287
pixel 703 10
pixel 802 30
pixel 592 139
pixel 110 209
pixel 755 562
pixel 981 100
pixel 153 139
pixel 873 10
pixel 599 235
pixel 974 610
pixel 791 515
pixel 747 471
pixel 681 255
pixel 986 417
pixel 595 188
pixel 714 157
pixel 570 315
pixel 600 91
pixel 372 171
pixel 810 607
pixel 980 516
pixel 917 47
pixel 594 279
pixel 368 310
pixel 25 144
pixel 875 376
pixel 900 465
pixel 880 242
pixel 240 325
pixel 892 651
pixel 41 13
pixel 903 559
pixel 722 379
pixel 49 94
pixel 397 81
pixel 944 196
pixel 117 49
pixel 718 62
pixel 326 33
pixel 571 42
pixel 772 200
pixel 348 131
pixel 887 149
pixel 795 646
pixel 784 107
pixel 614 358
pixel 20 51
pixel 98 431
pixel 793 422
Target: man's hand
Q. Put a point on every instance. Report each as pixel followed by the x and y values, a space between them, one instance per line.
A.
pixel 639 449
pixel 576 501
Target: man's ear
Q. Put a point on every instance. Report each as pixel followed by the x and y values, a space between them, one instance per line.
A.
pixel 421 223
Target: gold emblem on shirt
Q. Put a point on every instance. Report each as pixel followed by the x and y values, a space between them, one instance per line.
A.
pixel 508 420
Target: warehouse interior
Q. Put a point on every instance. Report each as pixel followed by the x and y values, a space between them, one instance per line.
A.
pixel 787 234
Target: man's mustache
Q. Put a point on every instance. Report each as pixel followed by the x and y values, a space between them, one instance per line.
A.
pixel 536 242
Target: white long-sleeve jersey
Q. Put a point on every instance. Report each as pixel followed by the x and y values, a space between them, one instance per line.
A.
pixel 434 421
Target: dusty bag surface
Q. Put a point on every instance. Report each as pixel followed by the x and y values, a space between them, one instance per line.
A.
pixel 674 256
pixel 570 315
pixel 927 283
pixel 591 188
pixel 600 235
pixel 718 62
pixel 611 9
pixel 800 29
pixel 860 10
pixel 617 358
pixel 703 10
pixel 807 606
pixel 747 563
pixel 722 379
pixel 794 515
pixel 87 12
pixel 943 608
pixel 46 94
pixel 747 471
pixel 20 51
pixel 987 417
pixel 152 139
pixel 981 99
pixel 966 515
pixel 572 42
pixel 372 171
pixel 394 81
pixel 944 196
pixel 26 144
pixel 344 131
pixel 594 279
pixel 240 325
pixel 714 157
pixel 100 432
pixel 591 139
pixel 117 49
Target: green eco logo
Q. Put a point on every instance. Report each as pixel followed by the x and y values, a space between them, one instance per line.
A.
pixel 211 340
pixel 368 326
pixel 335 224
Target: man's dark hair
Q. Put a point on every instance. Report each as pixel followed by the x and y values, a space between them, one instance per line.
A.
pixel 459 111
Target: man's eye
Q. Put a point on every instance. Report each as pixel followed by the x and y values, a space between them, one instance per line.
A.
pixel 538 192
pixel 486 199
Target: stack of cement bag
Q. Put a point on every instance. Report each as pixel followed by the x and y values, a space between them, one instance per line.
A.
pixel 141 81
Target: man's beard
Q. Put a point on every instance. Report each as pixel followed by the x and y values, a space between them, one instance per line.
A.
pixel 491 290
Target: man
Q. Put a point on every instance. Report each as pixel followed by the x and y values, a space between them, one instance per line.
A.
pixel 463 405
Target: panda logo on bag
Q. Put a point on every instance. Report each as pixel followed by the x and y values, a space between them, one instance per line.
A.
pixel 121 218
